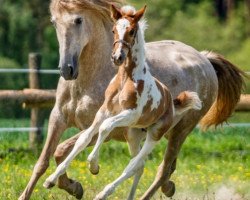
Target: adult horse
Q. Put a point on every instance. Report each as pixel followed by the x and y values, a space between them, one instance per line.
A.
pixel 84 33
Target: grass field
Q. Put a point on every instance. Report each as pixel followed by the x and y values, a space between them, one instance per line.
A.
pixel 211 165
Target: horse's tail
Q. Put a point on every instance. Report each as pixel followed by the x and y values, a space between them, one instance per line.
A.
pixel 230 81
pixel 185 101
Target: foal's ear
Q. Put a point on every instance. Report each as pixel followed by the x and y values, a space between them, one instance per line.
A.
pixel 140 13
pixel 115 12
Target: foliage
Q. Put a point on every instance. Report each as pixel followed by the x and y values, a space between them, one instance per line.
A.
pixel 196 25
pixel 240 57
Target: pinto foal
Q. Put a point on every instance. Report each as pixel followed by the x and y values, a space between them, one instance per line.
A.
pixel 133 99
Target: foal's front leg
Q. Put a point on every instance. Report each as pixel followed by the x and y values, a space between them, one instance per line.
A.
pixel 123 119
pixel 81 143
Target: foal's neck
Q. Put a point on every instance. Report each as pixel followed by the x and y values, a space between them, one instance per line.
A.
pixel 135 65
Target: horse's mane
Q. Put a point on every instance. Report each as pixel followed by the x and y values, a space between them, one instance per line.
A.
pixel 99 6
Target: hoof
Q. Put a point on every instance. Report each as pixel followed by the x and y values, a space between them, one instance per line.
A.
pixel 94 169
pixel 100 197
pixel 168 188
pixel 74 188
pixel 47 184
pixel 22 197
pixel 78 193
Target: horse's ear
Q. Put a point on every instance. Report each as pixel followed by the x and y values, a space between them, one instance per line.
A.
pixel 115 12
pixel 140 13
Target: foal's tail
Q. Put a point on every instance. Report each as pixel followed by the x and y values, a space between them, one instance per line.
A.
pixel 230 80
pixel 185 101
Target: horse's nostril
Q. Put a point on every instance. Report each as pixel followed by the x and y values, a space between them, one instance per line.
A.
pixel 71 70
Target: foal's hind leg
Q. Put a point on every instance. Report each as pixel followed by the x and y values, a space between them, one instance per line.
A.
pixel 134 138
pixel 176 139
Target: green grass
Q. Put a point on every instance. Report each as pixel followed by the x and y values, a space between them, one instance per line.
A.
pixel 208 163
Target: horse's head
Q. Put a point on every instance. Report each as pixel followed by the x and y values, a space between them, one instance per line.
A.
pixel 72 34
pixel 125 30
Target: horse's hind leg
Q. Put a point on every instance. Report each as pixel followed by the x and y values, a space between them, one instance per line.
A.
pixel 81 143
pixel 168 188
pixel 64 182
pixel 72 187
pixel 55 130
pixel 167 167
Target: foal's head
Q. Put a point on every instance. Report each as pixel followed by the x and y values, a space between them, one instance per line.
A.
pixel 125 31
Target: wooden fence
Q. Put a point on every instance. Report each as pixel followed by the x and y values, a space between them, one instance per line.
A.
pixel 32 97
pixel 36 99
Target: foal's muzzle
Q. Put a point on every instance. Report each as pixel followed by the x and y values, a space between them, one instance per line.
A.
pixel 118 59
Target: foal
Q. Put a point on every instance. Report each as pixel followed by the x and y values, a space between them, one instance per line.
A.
pixel 133 99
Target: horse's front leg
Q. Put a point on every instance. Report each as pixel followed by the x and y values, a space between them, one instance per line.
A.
pixel 123 119
pixel 55 129
pixel 81 143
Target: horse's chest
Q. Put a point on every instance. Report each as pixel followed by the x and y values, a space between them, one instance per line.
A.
pixel 81 112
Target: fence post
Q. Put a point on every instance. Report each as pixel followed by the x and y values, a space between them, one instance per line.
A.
pixel 37 119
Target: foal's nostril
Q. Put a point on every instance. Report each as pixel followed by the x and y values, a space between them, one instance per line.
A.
pixel 120 59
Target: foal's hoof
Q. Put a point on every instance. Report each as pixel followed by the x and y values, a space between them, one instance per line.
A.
pixel 168 188
pixel 48 184
pixel 101 196
pixel 94 169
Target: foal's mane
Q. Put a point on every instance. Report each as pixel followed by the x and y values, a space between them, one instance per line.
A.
pixel 143 26
pixel 100 7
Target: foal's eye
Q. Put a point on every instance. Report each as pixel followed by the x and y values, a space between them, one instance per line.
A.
pixel 78 21
pixel 131 32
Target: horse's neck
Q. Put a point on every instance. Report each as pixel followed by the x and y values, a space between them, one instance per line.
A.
pixel 95 64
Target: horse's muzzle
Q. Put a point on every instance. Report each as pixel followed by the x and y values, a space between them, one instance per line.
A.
pixel 69 70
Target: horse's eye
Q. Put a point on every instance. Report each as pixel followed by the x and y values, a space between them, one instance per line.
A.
pixel 53 23
pixel 113 31
pixel 131 32
pixel 78 21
